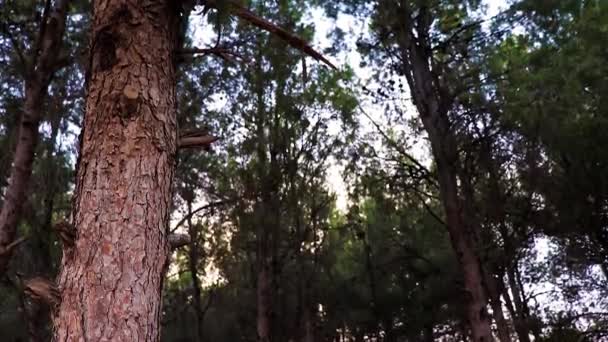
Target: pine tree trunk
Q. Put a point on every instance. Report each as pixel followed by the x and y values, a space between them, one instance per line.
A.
pixel 193 266
pixel 111 280
pixel 308 325
pixel 433 108
pixel 502 325
pixel 443 146
pixel 519 325
pixel 263 301
pixel 520 317
pixel 497 215
pixel 477 316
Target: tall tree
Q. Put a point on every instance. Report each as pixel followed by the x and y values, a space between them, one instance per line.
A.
pixel 111 276
pixel 39 63
pixel 424 43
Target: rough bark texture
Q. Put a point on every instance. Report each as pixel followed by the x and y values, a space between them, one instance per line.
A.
pixel 433 102
pixel 45 61
pixel 111 280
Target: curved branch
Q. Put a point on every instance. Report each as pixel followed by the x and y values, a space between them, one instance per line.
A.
pixel 289 38
pixel 196 211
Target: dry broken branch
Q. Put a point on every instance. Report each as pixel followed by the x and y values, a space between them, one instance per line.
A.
pixel 66 232
pixel 10 247
pixel 197 139
pixel 224 53
pixel 42 290
pixel 178 240
pixel 265 25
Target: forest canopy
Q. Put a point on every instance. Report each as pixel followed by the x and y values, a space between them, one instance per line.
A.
pixel 282 171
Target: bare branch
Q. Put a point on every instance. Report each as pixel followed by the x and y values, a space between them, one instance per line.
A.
pixel 43 290
pixel 426 173
pixel 196 211
pixel 178 240
pixel 224 53
pixel 203 141
pixel 42 33
pixel 66 232
pixel 265 25
pixel 10 247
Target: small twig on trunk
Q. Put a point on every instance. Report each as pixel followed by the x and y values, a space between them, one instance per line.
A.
pixel 224 53
pixel 9 248
pixel 178 240
pixel 196 139
pixel 202 141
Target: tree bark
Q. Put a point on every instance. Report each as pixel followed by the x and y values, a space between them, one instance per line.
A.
pixel 443 146
pixel 477 315
pixel 44 63
pixel 433 107
pixel 111 280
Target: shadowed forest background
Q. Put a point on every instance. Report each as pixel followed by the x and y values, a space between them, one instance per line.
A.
pixel 448 176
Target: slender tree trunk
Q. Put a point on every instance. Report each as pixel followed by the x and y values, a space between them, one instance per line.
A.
pixel 477 315
pixel 517 312
pixel 521 315
pixel 428 333
pixel 464 330
pixel 264 288
pixel 501 323
pixel 443 145
pixel 38 315
pixel 434 103
pixel 111 280
pixel 266 283
pixel 46 62
pixel 519 324
pixel 193 265
pixel 371 278
pixel 308 325
pixel 264 211
pixel 487 264
pixel 264 277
